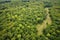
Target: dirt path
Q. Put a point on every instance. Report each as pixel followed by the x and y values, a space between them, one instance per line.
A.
pixel 41 27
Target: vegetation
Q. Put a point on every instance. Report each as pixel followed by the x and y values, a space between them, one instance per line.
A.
pixel 18 19
pixel 53 31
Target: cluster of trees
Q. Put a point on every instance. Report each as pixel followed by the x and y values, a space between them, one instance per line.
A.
pixel 52 32
pixel 18 21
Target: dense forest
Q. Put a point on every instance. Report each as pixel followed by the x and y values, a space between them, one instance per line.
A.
pixel 29 19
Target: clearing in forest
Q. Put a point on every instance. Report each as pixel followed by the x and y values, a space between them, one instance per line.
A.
pixel 41 27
